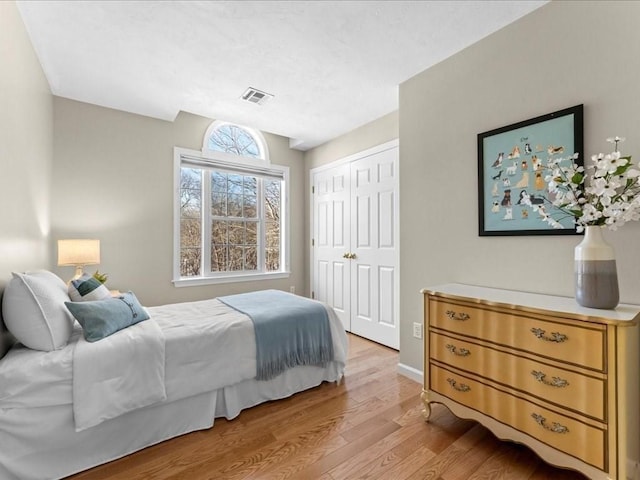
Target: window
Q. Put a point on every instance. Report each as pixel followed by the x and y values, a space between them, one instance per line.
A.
pixel 231 215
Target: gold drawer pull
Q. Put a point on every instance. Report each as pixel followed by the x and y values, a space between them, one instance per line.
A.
pixel 555 426
pixel 461 388
pixel 457 316
pixel 555 336
pixel 463 352
pixel 556 382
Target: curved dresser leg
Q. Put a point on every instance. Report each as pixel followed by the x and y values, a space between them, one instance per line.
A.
pixel 426 413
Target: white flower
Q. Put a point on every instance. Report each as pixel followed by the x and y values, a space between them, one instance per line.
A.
pixel 553 186
pixel 609 164
pixel 589 214
pixel 601 188
pixel 633 173
pixel 631 215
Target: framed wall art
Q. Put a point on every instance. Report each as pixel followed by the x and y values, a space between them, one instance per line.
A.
pixel 512 160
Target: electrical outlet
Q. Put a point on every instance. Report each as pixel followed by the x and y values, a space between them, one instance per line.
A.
pixel 292 289
pixel 417 330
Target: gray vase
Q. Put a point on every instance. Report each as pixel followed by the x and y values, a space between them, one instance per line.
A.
pixel 596 277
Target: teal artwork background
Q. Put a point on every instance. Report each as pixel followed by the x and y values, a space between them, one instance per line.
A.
pixel 529 144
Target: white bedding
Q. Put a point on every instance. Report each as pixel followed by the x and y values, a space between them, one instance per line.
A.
pixel 209 345
pixel 118 374
pixel 32 379
pixel 36 388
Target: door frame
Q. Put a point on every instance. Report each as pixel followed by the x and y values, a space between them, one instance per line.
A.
pixel 348 159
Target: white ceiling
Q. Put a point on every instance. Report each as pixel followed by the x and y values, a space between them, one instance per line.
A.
pixel 332 66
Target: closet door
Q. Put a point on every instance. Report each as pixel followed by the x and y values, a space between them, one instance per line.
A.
pixel 374 225
pixel 331 269
pixel 355 243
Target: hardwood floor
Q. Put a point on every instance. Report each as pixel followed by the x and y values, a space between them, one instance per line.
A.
pixel 368 427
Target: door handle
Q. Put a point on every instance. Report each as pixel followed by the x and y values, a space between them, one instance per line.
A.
pixel 350 256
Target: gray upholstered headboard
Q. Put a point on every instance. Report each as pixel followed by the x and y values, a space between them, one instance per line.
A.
pixel 6 339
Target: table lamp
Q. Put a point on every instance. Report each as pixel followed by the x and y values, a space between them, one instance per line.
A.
pixel 78 253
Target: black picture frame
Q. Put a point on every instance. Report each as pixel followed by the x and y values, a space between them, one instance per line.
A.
pixel 517 153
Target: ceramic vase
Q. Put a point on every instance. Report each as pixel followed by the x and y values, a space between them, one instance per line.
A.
pixel 596 277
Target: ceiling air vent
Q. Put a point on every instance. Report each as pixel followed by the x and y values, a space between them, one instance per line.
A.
pixel 254 95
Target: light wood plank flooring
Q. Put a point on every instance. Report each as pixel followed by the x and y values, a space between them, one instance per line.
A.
pixel 368 427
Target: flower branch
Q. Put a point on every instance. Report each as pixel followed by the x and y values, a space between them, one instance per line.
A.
pixel 606 192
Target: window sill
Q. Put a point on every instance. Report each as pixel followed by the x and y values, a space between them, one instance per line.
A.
pixel 251 277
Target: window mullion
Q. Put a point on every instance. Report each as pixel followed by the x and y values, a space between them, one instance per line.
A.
pixel 206 222
pixel 284 233
pixel 262 235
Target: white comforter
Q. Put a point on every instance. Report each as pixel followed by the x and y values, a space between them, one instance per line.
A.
pixel 118 374
pixel 207 346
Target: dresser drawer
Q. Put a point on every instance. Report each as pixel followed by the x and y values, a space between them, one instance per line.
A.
pixel 562 432
pixel 582 393
pixel 581 345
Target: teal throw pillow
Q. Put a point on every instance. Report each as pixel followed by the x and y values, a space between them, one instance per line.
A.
pixel 101 318
pixel 86 288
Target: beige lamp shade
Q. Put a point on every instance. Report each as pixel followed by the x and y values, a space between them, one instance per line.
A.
pixel 78 253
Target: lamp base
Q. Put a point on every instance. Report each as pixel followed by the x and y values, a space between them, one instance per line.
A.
pixel 78 274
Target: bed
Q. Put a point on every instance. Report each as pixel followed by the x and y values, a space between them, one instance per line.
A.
pixel 86 403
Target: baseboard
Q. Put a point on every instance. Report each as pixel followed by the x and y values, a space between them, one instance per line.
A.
pixel 413 374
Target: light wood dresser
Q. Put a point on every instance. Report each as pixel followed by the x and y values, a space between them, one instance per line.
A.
pixel 536 369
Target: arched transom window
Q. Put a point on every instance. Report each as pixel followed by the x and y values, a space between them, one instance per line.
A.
pixel 235 140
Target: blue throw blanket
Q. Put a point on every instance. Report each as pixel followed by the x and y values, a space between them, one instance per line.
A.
pixel 290 330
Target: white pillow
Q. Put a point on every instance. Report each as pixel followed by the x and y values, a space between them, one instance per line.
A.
pixel 34 311
pixel 54 280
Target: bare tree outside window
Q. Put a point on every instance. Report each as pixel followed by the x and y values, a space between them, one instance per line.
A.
pixel 234 221
pixel 234 139
pixel 190 221
pixel 272 208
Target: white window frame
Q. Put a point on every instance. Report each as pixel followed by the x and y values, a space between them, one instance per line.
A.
pixel 214 159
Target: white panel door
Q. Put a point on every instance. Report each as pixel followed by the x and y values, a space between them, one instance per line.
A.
pixel 374 274
pixel 355 243
pixel 331 234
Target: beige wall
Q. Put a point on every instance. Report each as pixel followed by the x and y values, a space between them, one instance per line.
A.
pixel 561 55
pixel 26 132
pixel 113 180
pixel 380 131
pixel 377 132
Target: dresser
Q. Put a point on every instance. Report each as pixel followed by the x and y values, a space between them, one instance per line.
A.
pixel 539 370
